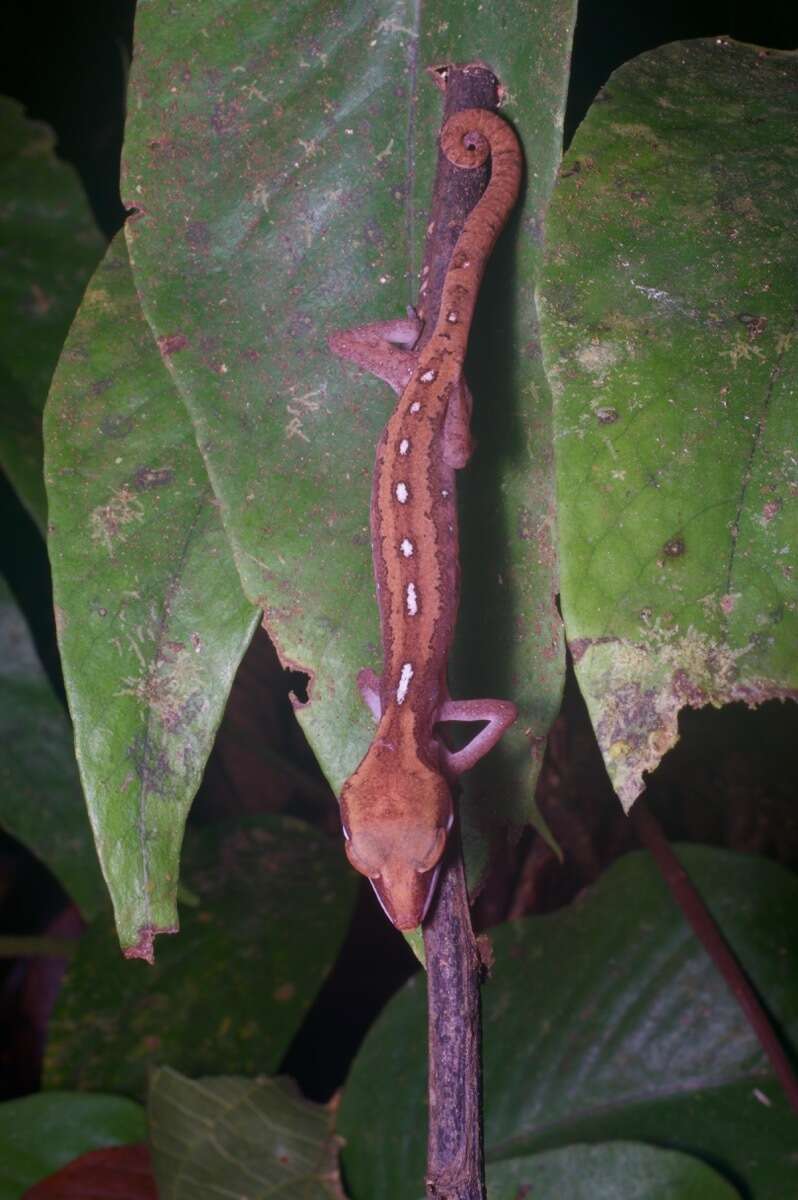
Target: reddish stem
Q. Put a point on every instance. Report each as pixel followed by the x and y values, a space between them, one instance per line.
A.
pixel 711 938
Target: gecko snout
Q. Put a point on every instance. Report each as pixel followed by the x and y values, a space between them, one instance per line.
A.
pixel 402 868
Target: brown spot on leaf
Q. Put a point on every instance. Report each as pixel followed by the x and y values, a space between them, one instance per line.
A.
pixel 770 510
pixel 116 426
pixel 107 521
pixel 674 547
pixel 226 118
pixel 152 477
pixel 150 764
pixel 170 343
pixel 198 235
pixel 756 326
pixel 607 416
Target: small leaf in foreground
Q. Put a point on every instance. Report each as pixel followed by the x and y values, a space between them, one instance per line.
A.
pixel 121 1173
pixel 240 1137
pixel 41 1133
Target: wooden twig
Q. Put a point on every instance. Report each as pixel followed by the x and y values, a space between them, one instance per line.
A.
pixel 708 933
pixel 455 1158
pixel 455 1161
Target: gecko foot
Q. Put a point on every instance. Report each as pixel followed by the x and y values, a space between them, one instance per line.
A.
pixel 499 715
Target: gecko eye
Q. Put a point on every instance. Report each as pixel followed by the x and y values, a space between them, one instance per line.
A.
pixel 364 857
pixel 425 862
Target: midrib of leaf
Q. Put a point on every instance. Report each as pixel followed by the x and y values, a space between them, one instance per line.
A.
pixel 148 741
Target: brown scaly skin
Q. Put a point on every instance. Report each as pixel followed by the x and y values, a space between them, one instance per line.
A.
pixel 396 809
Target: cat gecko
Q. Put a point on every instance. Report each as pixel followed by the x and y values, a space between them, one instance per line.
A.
pixel 396 809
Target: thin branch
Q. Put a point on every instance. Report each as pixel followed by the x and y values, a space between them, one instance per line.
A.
pixel 455 1160
pixel 709 934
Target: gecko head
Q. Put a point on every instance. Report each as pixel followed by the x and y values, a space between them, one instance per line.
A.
pixel 399 848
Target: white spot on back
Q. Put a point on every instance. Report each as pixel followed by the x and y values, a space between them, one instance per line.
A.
pixel 415 406
pixel 444 492
pixel 412 599
pixel 402 493
pixel 428 376
pixel 407 548
pixel 452 317
pixel 404 446
pixel 404 682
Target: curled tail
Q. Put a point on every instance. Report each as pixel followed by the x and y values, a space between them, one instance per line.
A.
pixel 468 138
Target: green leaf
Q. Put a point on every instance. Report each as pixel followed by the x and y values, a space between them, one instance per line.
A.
pixel 281 161
pixel 40 1133
pixel 240 1137
pixel 50 246
pixel 671 336
pixel 618 1171
pixel 41 802
pixel 273 903
pixel 607 1021
pixel 152 622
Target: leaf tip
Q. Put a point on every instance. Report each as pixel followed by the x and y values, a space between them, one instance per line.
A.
pixel 143 947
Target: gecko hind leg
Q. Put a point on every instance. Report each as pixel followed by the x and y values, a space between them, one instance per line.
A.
pixel 458 445
pixel 499 715
pixel 369 685
pixel 385 348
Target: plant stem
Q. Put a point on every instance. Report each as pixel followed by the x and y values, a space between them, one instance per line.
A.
pixel 455 1166
pixel 38 947
pixel 709 934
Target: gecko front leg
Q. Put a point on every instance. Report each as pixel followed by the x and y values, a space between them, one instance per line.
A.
pixel 384 348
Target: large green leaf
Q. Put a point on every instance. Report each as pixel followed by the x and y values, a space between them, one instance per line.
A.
pixel 607 1021
pixel 38 1134
pixel 281 160
pixel 240 1137
pixel 152 621
pixel 671 339
pixel 41 802
pixel 618 1171
pixel 273 903
pixel 49 246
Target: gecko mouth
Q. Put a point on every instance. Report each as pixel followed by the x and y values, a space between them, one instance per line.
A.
pixel 415 912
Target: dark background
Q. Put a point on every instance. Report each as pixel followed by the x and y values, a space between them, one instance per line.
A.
pixel 728 782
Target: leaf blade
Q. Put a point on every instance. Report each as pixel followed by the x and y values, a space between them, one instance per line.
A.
pixel 147 599
pixel 671 348
pixel 604 1021
pixel 318 188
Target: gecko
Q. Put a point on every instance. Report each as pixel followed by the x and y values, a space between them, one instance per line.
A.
pixel 397 808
